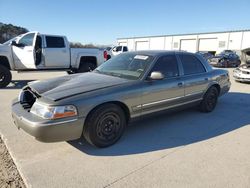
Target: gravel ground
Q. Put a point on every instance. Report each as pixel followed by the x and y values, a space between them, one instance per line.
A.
pixel 9 176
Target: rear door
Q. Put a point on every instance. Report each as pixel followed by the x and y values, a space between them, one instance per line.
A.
pixel 24 52
pixel 56 52
pixel 162 94
pixel 195 77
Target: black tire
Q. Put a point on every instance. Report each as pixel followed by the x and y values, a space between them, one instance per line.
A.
pixel 86 67
pixel 5 76
pixel 209 101
pixel 105 125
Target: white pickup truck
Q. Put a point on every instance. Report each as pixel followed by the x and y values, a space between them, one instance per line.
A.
pixel 38 52
pixel 116 50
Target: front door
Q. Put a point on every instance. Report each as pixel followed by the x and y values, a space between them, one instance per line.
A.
pixel 166 93
pixel 24 52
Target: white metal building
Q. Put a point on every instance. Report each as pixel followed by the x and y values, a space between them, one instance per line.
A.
pixel 214 42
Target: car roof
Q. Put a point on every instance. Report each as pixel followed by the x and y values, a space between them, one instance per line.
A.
pixel 158 52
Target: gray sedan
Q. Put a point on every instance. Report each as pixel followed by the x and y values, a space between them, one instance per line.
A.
pixel 98 105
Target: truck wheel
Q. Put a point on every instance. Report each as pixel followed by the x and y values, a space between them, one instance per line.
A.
pixel 86 67
pixel 209 100
pixel 105 125
pixel 5 76
pixel 71 72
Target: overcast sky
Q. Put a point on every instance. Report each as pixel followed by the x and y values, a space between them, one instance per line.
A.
pixel 101 22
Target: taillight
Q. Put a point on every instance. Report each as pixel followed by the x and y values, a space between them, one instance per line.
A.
pixel 105 55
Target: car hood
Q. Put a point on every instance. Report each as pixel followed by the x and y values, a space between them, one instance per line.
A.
pixel 71 85
pixel 4 48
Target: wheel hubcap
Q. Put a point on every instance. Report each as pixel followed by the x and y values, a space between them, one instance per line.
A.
pixel 108 126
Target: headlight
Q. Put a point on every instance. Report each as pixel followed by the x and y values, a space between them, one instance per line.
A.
pixel 53 112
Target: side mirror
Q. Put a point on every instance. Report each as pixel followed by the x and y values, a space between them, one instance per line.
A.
pixel 156 76
pixel 13 43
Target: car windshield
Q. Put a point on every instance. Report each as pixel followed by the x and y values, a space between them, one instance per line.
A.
pixel 126 65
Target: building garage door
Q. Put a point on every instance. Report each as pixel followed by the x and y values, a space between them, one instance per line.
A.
pixel 208 45
pixel 142 45
pixel 123 44
pixel 188 45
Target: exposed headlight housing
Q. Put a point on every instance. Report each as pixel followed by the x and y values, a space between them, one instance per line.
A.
pixel 53 112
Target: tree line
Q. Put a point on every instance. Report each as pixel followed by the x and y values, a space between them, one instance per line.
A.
pixel 9 31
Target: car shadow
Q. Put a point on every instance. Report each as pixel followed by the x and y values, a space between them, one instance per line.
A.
pixel 17 84
pixel 177 129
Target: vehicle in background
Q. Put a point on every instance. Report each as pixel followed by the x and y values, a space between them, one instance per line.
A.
pixel 242 73
pixel 38 52
pixel 206 55
pixel 227 52
pixel 116 50
pixel 100 104
pixel 226 58
pixel 245 56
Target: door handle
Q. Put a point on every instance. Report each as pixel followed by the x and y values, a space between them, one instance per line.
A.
pixel 206 79
pixel 180 84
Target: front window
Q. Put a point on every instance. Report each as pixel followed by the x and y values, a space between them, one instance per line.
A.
pixel 127 65
pixel 167 65
pixel 27 40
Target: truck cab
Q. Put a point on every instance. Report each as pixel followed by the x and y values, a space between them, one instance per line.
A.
pixel 116 50
pixel 35 51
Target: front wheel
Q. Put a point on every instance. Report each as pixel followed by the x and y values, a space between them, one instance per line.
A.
pixel 209 101
pixel 105 125
pixel 5 76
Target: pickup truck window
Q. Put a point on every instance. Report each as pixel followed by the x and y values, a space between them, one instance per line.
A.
pixel 167 65
pixel 191 65
pixel 119 48
pixel 125 49
pixel 55 42
pixel 27 40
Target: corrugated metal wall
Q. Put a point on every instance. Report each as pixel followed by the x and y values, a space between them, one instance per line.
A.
pixel 214 42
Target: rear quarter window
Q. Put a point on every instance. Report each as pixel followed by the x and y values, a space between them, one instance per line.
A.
pixel 191 64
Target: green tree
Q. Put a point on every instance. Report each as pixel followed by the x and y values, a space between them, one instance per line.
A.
pixel 9 31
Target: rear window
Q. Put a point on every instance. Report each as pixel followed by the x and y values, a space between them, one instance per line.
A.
pixel 55 42
pixel 191 64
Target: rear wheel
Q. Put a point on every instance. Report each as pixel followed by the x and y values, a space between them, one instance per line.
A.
pixel 209 101
pixel 5 76
pixel 105 125
pixel 86 67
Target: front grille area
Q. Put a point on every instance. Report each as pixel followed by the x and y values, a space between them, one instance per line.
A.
pixel 27 98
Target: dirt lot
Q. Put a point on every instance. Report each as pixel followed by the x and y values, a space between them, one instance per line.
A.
pixel 9 176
